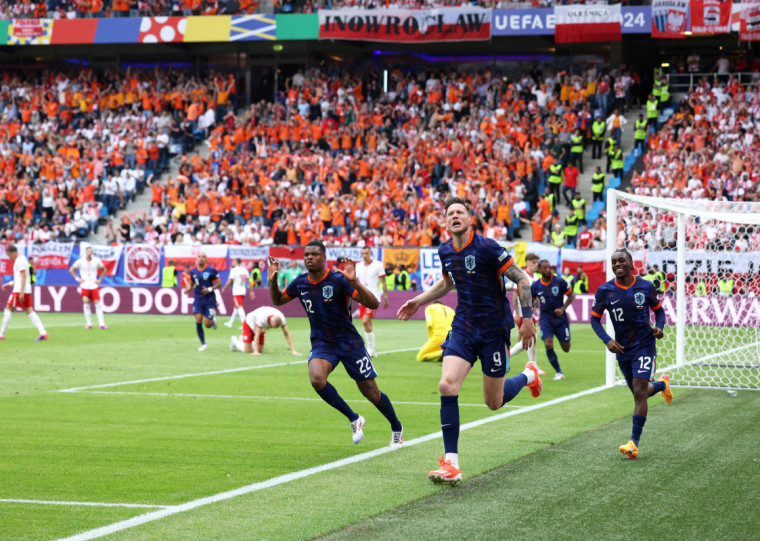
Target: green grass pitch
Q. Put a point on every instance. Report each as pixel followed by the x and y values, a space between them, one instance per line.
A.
pixel 217 445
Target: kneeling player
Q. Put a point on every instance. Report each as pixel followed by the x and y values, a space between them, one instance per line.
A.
pixel 255 326
pixel 438 318
pixel 628 301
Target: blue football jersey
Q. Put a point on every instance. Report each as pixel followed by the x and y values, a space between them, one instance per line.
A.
pixel 551 295
pixel 476 272
pixel 328 307
pixel 204 278
pixel 628 307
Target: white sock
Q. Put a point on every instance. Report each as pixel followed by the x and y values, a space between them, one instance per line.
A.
pixel 517 348
pixel 241 314
pixel 99 313
pixel 35 319
pixel 87 313
pixel 233 315
pixel 371 341
pixel 530 374
pixel 453 458
pixel 238 343
pixel 6 321
pixel 532 354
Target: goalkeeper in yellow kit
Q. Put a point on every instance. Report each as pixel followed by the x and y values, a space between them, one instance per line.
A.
pixel 438 318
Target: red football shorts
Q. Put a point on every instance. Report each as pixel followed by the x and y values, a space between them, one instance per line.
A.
pixel 13 301
pixel 237 300
pixel 92 294
pixel 364 311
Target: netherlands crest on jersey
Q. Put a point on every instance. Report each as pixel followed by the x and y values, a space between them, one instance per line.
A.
pixel 327 292
pixel 639 298
pixel 469 262
pixel 205 275
pixel 555 290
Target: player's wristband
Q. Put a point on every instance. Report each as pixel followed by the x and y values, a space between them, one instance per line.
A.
pixel 527 312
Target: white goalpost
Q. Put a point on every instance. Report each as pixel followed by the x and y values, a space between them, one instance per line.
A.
pixel 709 254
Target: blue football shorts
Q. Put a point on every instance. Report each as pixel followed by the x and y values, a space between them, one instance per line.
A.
pixel 357 362
pixel 492 349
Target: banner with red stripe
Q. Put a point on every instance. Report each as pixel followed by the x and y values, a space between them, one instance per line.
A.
pixel 583 23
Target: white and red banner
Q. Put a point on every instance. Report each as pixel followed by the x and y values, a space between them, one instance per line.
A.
pixel 587 22
pixel 592 261
pixel 51 255
pixel 184 256
pixel 249 255
pixel 670 18
pixel 142 264
pixel 749 23
pixel 406 25
pixel 6 267
pixel 710 16
pixel 109 255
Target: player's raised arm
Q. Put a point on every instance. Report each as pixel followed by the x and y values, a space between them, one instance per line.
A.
pixel 527 330
pixel 274 290
pixel 364 296
pixel 438 290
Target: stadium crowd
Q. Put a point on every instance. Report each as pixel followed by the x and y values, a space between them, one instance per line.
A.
pixel 75 148
pixel 708 149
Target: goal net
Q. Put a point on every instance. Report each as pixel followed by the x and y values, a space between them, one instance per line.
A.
pixel 707 254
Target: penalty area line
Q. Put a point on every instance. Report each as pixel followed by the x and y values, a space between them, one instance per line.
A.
pixel 293 476
pixel 197 374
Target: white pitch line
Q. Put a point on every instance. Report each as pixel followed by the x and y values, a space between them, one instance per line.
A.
pixel 213 373
pixel 293 476
pixel 256 397
pixel 86 504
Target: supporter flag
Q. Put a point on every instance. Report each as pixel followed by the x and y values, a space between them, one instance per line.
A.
pixel 670 18
pixel 109 255
pixel 409 257
pixel 208 28
pixel 30 32
pixel 184 256
pixel 162 29
pixel 402 25
pixel 253 28
pixel 710 16
pixel 749 23
pixel 592 261
pixel 142 264
pixel 74 31
pixel 51 255
pixel 581 23
pixel 249 255
pixel 119 30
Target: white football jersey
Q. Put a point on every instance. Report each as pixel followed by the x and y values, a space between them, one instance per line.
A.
pixel 21 264
pixel 239 277
pixel 88 271
pixel 369 276
pixel 260 317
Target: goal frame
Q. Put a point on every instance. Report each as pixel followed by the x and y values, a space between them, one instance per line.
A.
pixel 682 209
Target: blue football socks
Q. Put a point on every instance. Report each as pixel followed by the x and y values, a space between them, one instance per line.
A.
pixel 552 356
pixel 329 394
pixel 638 426
pixel 512 386
pixel 386 408
pixel 199 330
pixel 450 422
pixel 659 386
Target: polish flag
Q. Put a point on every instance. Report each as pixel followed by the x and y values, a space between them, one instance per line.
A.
pixel 581 23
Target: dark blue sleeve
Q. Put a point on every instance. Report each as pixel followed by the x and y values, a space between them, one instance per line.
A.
pixel 214 275
pixel 659 318
pixel 600 304
pixel 292 290
pixel 534 289
pixel 563 287
pixel 345 288
pixel 596 324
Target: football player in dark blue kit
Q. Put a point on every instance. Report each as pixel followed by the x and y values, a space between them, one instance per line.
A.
pixel 204 279
pixel 326 296
pixel 628 300
pixel 474 265
pixel 550 290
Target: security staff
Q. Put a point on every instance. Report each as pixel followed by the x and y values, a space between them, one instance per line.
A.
pixel 661 277
pixel 576 150
pixel 652 112
pixel 617 162
pixel 169 275
pixel 390 278
pixel 597 184
pixel 403 282
pixel 555 178
pixel 580 284
pixel 571 228
pixel 579 207
pixel 610 143
pixel 597 138
pixel 640 133
pixel 664 99
pixel 726 287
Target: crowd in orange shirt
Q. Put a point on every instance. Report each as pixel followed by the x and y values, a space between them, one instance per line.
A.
pixel 75 146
